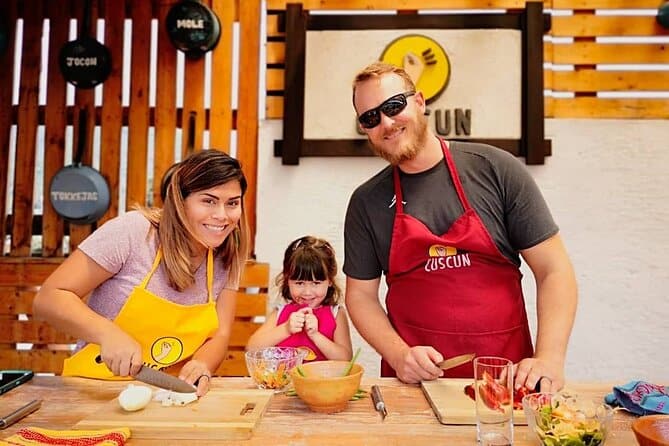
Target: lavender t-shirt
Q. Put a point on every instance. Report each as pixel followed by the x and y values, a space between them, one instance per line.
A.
pixel 123 246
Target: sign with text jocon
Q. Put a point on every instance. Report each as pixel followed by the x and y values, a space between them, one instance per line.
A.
pixel 471 78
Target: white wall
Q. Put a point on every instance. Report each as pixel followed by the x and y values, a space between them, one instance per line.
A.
pixel 608 188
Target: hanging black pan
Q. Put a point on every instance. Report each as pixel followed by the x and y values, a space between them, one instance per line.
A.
pixel 85 62
pixel 78 193
pixel 193 28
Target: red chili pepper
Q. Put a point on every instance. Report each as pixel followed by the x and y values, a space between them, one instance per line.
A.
pixel 518 397
pixel 470 392
pixel 489 398
pixel 501 393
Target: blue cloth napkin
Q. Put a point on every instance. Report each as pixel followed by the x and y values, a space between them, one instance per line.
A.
pixel 640 398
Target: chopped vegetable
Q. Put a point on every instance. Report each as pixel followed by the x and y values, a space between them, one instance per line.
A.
pixel 268 378
pixel 558 424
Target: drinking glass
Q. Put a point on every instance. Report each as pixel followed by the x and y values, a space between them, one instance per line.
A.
pixel 494 400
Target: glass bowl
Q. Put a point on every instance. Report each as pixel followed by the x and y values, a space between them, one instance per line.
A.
pixel 270 366
pixel 563 419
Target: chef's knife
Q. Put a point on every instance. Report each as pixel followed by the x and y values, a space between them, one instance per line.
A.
pixel 455 361
pixel 160 379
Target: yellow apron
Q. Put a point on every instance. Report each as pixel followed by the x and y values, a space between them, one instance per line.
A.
pixel 168 332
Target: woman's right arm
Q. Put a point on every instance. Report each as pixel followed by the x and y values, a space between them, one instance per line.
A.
pixel 60 303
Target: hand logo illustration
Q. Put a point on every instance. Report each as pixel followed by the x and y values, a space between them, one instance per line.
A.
pixel 424 60
pixel 167 350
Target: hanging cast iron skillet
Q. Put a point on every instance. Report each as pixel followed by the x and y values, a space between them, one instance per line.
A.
pixel 85 62
pixel 78 193
pixel 193 28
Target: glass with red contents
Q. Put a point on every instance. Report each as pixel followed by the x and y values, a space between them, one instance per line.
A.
pixel 493 384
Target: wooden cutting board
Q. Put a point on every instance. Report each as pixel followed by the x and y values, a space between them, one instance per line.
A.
pixel 452 406
pixel 220 414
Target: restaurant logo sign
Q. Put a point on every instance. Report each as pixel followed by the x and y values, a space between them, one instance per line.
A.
pixel 424 60
pixel 429 67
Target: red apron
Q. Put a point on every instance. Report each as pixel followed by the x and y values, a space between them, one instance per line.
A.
pixel 455 292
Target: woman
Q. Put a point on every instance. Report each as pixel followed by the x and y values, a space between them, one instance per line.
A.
pixel 162 282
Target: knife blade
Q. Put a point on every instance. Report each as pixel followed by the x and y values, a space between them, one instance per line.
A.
pixel 163 380
pixel 160 379
pixel 379 404
pixel 455 361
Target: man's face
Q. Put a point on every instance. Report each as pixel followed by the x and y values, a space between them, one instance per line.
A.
pixel 400 137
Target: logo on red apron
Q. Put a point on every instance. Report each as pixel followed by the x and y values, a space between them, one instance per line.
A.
pixel 446 257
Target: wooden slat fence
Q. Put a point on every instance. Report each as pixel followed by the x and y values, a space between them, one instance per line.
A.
pixel 580 29
pixel 127 126
pixel 132 120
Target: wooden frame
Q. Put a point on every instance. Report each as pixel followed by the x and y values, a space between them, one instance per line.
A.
pixel 531 21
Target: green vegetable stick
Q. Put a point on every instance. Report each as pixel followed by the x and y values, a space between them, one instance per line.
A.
pixel 350 364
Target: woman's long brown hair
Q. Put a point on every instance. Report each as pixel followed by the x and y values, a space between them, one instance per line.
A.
pixel 202 170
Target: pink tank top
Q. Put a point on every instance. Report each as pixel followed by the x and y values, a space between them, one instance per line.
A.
pixel 326 325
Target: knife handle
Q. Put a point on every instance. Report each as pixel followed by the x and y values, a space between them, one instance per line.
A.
pixel 377 398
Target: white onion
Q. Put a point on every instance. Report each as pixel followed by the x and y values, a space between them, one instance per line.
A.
pixel 134 397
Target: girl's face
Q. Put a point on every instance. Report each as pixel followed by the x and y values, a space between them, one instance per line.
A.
pixel 214 213
pixel 308 292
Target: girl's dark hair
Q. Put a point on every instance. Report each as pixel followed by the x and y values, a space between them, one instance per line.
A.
pixel 309 258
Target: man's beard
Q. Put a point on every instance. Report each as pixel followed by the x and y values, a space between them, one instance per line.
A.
pixel 408 151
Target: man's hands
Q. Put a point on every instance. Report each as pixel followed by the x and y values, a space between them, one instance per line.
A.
pixel 416 364
pixel 549 374
pixel 303 319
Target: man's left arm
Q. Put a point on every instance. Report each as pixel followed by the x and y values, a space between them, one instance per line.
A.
pixel 556 308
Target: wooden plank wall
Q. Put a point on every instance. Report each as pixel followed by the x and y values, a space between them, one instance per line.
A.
pixel 34 113
pixel 574 50
pixel 45 114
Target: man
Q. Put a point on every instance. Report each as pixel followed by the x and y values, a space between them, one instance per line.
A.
pixel 447 223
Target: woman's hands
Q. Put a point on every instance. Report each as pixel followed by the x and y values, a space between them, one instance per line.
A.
pixel 121 353
pixel 196 372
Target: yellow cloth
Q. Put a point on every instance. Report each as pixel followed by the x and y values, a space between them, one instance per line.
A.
pixel 32 436
pixel 168 332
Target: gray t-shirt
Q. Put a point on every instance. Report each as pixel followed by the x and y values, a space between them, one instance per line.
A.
pixel 125 247
pixel 497 185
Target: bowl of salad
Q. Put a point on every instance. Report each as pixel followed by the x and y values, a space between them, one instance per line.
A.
pixel 270 366
pixel 563 419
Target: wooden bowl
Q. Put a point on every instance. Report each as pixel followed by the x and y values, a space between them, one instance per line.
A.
pixel 652 430
pixel 324 388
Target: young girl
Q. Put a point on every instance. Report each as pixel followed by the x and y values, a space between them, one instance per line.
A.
pixel 311 318
pixel 161 281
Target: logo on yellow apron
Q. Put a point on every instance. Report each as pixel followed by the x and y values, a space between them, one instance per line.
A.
pixel 167 350
pixel 424 60
pixel 446 257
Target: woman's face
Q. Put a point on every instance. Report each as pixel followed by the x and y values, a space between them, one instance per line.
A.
pixel 214 213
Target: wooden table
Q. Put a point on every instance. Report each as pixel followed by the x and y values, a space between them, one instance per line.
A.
pixel 288 421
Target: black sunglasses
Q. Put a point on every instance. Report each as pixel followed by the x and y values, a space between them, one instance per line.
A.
pixel 390 107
